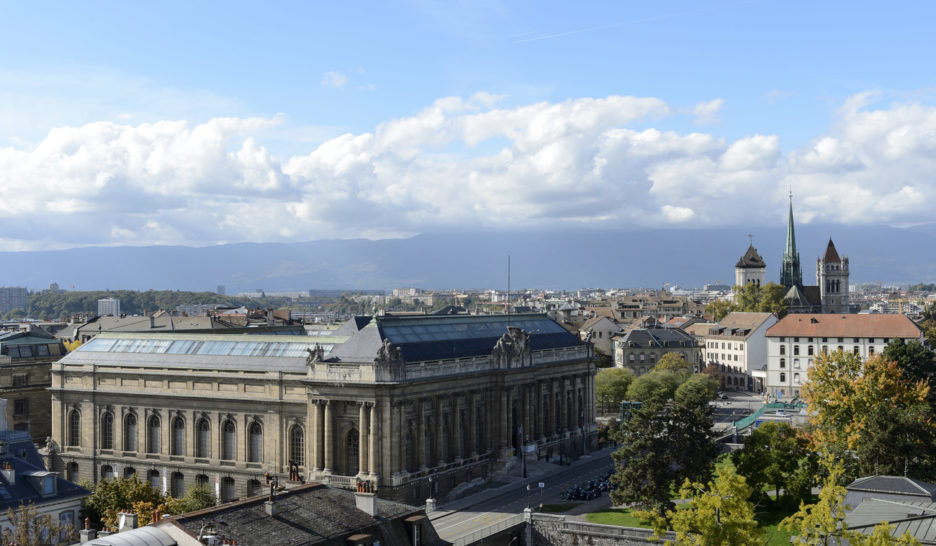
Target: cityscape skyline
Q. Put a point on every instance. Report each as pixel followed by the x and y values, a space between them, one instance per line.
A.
pixel 305 123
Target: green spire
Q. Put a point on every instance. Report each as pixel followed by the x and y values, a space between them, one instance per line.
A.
pixel 790 272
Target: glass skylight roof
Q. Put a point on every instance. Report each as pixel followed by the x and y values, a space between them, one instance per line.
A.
pixel 413 332
pixel 202 347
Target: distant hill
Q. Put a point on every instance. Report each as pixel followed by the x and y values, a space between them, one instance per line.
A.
pixel 645 258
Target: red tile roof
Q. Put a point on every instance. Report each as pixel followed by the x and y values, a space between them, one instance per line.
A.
pixel 819 325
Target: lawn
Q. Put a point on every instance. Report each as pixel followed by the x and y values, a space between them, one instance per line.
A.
pixel 617 516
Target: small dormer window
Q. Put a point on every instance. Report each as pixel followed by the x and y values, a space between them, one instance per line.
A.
pixel 48 485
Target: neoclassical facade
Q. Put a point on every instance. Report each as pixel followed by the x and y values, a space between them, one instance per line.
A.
pixel 405 403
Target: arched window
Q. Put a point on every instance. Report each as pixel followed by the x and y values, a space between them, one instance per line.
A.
pixel 201 480
pixel 154 481
pixel 227 489
pixel 228 441
pixel 129 472
pixel 255 445
pixel 203 439
pixel 130 432
pixel 253 488
pixel 352 452
pixel 783 349
pixel 177 485
pixel 107 430
pixel 107 472
pixel 178 436
pixel 74 428
pixel 153 435
pixel 297 445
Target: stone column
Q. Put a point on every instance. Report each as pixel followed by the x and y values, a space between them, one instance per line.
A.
pixel 420 434
pixel 458 433
pixel 316 435
pixel 362 437
pixel 470 405
pixel 396 440
pixel 328 448
pixel 564 401
pixel 505 418
pixel 372 442
pixel 440 432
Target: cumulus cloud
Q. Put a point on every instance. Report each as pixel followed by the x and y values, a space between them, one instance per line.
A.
pixel 336 80
pixel 460 162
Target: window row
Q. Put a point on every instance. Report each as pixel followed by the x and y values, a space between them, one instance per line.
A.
pixel 884 340
pixel 175 482
pixel 177 437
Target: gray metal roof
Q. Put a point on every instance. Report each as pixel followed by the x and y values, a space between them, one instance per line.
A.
pixel 143 536
pixel 916 517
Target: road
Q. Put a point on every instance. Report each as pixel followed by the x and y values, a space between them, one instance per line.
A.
pixel 512 500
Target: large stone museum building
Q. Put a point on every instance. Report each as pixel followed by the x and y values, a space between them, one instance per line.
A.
pixel 404 403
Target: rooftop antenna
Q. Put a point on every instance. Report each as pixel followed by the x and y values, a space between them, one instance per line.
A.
pixel 508 291
pixel 750 238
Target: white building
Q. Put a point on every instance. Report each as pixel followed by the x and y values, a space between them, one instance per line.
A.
pixel 108 306
pixel 738 344
pixel 794 342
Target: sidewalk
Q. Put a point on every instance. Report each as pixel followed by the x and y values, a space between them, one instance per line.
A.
pixel 536 472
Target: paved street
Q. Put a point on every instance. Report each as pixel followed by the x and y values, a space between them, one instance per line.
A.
pixel 467 515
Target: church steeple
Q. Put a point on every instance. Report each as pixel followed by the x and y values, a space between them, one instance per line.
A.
pixel 790 272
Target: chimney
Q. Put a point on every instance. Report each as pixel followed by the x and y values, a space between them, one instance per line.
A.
pixel 87 534
pixel 366 502
pixel 152 322
pixel 128 521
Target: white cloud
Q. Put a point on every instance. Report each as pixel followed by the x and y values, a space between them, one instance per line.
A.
pixel 459 162
pixel 707 112
pixel 336 80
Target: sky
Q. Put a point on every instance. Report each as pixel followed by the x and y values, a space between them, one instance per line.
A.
pixel 199 123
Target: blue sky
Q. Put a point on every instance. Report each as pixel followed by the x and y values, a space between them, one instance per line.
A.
pixel 207 122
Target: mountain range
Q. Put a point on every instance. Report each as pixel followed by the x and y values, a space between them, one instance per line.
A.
pixel 560 259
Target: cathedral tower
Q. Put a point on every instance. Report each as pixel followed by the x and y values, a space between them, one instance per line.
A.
pixel 832 278
pixel 790 272
pixel 750 269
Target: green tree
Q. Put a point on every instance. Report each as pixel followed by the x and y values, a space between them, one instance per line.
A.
pixel 672 362
pixel 870 409
pixel 611 386
pixel 761 299
pixel 668 439
pixel 823 520
pixel 720 513
pixel 719 309
pixel 773 455
pixel 28 527
pixel 653 387
pixel 112 495
pixel 913 357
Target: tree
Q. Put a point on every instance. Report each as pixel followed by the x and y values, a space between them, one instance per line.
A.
pixel 720 513
pixel 871 409
pixel 719 309
pixel 774 454
pixel 112 495
pixel 672 363
pixel 914 359
pixel 30 528
pixel 761 299
pixel 669 439
pixel 611 386
pixel 653 387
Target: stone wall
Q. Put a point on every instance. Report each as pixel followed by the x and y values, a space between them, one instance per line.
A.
pixel 549 530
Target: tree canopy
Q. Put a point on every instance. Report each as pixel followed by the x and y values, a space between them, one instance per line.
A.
pixel 668 439
pixel 113 495
pixel 719 513
pixel 611 386
pixel 776 455
pixel 751 298
pixel 672 362
pixel 913 358
pixel 873 410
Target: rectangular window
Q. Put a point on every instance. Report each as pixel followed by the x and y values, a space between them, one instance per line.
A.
pixel 857 340
pixel 809 350
pixel 25 352
pixel 841 339
pixel 21 407
pixel 795 340
pixel 825 349
pixel 42 350
pixel 857 350
pixel 782 377
pixel 782 363
pixel 13 352
pixel 809 340
pixel 884 341
pixel 796 378
pixel 825 339
pixel 20 380
pixel 795 363
pixel 795 350
pixel 782 339
pixel 871 350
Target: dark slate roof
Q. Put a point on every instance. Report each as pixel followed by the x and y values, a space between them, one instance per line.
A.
pixel 308 514
pixel 896 485
pixel 751 259
pixel 830 254
pixel 429 337
pixel 28 473
pixel 661 337
pixel 351 327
